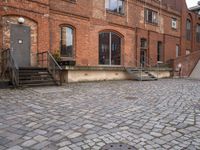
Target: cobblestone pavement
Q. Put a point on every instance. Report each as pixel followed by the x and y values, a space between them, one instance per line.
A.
pixel 156 115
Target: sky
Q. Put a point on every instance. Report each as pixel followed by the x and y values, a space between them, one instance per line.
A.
pixel 191 3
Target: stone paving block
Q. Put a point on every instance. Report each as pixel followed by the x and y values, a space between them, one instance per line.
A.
pixel 29 143
pixel 160 115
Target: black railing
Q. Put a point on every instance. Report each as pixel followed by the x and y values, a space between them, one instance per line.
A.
pixel 9 68
pixel 45 59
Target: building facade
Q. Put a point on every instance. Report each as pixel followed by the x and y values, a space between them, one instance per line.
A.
pixel 99 33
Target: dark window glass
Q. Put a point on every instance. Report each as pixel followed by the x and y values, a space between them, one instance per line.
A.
pixel 115 6
pixel 109 49
pixel 67 41
pixel 198 33
pixel 115 49
pixel 188 29
pixel 104 44
pixel 151 16
pixel 159 52
pixel 143 51
pixel 143 44
pixel 177 51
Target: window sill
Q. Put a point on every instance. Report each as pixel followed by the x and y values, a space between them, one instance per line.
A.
pixel 174 29
pixel 153 24
pixel 71 1
pixel 63 58
pixel 115 13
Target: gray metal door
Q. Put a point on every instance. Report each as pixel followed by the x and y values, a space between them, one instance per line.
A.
pixel 20 44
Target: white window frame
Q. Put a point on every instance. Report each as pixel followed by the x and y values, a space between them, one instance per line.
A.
pixel 174 23
pixel 154 19
pixel 108 6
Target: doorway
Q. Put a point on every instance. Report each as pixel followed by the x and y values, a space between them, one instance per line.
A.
pixel 20 43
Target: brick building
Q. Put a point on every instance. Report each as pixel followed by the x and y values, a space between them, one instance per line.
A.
pixel 99 35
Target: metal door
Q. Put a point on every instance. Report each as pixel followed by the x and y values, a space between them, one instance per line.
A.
pixel 20 44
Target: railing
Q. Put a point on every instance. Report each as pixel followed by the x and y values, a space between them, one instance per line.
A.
pixel 146 65
pixel 9 67
pixel 45 59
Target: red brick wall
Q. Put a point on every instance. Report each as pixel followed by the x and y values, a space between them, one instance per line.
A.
pixel 188 63
pixel 89 17
pixel 36 11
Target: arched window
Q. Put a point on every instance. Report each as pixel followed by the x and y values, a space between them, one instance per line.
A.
pixel 109 48
pixel 188 29
pixel 198 33
pixel 67 41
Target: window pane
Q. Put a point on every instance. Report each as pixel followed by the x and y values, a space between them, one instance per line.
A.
pixel 150 16
pixel 104 49
pixel 143 43
pixel 188 29
pixel 115 49
pixel 120 6
pixel 113 5
pixel 177 51
pixel 160 51
pixel 67 42
pixel 198 33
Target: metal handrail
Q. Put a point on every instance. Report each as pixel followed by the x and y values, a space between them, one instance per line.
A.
pixel 45 59
pixel 146 64
pixel 9 67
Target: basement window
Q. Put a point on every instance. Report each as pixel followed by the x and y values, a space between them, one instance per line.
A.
pixel 116 6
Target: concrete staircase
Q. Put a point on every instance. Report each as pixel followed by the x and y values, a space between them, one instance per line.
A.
pixel 196 72
pixel 141 74
pixel 35 76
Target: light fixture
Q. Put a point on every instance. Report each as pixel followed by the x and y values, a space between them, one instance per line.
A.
pixel 21 20
pixel 179 65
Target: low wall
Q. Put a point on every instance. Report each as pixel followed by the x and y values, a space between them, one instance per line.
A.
pixel 187 62
pixel 71 75
pixel 196 72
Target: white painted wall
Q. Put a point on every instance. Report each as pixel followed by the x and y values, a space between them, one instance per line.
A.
pixel 196 72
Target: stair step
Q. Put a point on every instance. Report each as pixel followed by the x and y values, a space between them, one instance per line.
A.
pixel 141 74
pixel 35 81
pixel 38 84
pixel 32 68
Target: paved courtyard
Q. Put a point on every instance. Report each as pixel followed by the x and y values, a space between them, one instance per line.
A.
pixel 155 115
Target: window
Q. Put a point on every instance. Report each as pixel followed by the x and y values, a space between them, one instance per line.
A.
pixel 159 52
pixel 115 6
pixel 151 16
pixel 174 23
pixel 198 33
pixel 143 51
pixel 109 48
pixel 188 29
pixel 143 44
pixel 67 41
pixel 177 51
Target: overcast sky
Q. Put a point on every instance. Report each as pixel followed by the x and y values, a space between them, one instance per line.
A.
pixel 191 3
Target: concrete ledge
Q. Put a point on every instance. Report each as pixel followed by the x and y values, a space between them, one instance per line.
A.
pixel 76 74
pixel 111 68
